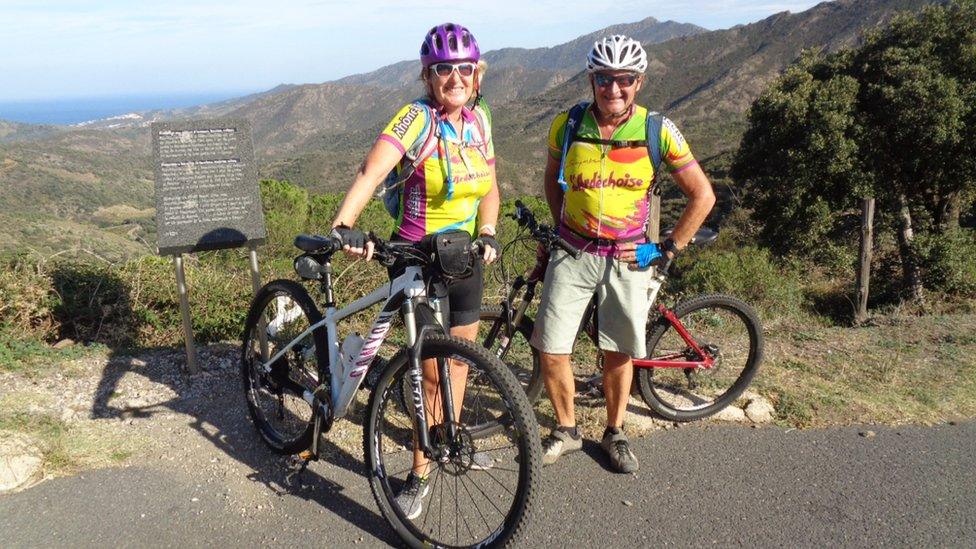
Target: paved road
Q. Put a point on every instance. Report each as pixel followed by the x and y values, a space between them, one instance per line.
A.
pixel 907 486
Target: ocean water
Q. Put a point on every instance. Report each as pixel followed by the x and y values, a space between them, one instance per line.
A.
pixel 76 110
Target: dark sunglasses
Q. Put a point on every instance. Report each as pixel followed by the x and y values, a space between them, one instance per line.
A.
pixel 623 80
pixel 445 69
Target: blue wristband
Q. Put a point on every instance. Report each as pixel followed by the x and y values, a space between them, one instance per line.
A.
pixel 647 252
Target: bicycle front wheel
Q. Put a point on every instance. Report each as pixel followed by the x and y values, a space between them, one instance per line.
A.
pixel 281 312
pixel 480 492
pixel 513 349
pixel 724 327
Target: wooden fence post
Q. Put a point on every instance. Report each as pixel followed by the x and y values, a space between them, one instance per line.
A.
pixel 654 218
pixel 864 270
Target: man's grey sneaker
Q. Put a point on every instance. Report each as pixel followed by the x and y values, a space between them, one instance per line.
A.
pixel 481 461
pixel 411 495
pixel 557 444
pixel 617 447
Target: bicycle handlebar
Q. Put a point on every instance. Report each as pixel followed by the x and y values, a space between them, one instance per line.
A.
pixel 547 236
pixel 386 252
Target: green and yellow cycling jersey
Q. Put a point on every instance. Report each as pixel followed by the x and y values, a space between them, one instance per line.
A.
pixel 607 194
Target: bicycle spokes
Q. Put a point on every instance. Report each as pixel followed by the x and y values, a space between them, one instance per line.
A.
pixel 275 390
pixel 473 475
pixel 700 357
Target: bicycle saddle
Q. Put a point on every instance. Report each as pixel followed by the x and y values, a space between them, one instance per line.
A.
pixel 312 242
pixel 703 235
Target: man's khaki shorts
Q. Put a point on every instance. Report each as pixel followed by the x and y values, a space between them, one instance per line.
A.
pixel 623 300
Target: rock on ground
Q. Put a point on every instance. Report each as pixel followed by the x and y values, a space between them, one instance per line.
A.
pixel 20 461
pixel 731 413
pixel 760 410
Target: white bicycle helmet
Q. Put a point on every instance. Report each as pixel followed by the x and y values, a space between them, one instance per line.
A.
pixel 617 52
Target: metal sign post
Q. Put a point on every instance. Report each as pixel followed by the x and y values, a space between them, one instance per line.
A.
pixel 256 284
pixel 191 351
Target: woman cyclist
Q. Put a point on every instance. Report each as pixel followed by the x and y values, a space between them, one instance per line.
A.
pixel 453 188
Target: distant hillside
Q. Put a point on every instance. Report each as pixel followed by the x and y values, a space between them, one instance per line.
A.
pixel 572 55
pixel 284 123
pixel 16 131
pixel 58 194
pixel 560 59
pixel 286 117
pixel 210 110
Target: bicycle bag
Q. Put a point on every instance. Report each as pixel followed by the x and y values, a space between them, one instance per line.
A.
pixel 451 253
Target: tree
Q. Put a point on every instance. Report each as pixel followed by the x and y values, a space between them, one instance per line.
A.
pixel 895 119
pixel 800 155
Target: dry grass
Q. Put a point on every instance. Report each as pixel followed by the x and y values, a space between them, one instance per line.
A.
pixel 66 447
pixel 900 369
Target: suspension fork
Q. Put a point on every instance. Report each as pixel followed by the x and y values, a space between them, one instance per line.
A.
pixel 415 341
pixel 415 372
pixel 443 372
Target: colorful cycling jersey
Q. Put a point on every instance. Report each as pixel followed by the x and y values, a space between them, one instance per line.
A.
pixel 608 189
pixel 429 204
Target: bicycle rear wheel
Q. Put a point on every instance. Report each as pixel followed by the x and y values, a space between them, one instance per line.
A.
pixel 282 311
pixel 726 328
pixel 464 505
pixel 520 357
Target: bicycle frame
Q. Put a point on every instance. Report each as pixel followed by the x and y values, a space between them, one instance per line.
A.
pixel 668 361
pixel 514 313
pixel 400 294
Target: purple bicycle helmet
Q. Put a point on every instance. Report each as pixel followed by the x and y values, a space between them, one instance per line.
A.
pixel 449 42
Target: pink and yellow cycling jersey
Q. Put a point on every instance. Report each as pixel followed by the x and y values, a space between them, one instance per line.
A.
pixel 607 195
pixel 429 204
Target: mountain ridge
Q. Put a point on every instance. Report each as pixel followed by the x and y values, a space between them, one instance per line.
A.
pixel 566 56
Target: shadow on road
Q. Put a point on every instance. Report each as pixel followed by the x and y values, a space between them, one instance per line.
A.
pixel 215 401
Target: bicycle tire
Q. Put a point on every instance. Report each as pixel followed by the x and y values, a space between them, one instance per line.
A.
pixel 529 376
pixel 287 311
pixel 733 330
pixel 388 439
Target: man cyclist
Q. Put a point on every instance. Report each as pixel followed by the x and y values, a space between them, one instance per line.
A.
pixel 601 206
pixel 454 188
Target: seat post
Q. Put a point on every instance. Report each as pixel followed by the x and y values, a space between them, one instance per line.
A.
pixel 326 284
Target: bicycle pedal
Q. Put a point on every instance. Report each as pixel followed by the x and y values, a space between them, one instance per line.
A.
pixel 299 462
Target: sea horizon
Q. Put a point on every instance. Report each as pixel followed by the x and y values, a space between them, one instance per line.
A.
pixel 75 110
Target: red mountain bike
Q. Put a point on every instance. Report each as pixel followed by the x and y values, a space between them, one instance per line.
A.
pixel 702 354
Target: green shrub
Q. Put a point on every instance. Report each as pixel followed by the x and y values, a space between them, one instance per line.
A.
pixel 949 262
pixel 25 299
pixel 948 266
pixel 323 208
pixel 286 210
pixel 748 273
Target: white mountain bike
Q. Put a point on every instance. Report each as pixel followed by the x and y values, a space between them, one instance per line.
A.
pixel 298 380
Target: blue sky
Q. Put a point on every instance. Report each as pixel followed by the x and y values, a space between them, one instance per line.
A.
pixel 63 49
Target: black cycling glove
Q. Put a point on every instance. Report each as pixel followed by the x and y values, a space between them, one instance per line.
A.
pixel 488 241
pixel 354 238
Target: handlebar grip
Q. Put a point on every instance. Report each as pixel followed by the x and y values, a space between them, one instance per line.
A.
pixel 568 248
